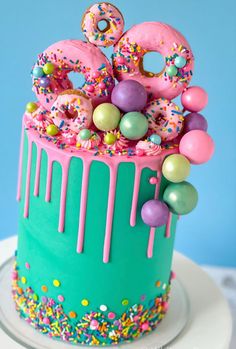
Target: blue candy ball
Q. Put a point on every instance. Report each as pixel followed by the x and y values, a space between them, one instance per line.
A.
pixel 38 72
pixel 155 138
pixel 180 62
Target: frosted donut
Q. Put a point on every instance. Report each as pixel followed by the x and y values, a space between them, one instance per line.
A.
pixel 72 111
pixel 154 37
pixel 165 118
pixel 103 12
pixel 77 56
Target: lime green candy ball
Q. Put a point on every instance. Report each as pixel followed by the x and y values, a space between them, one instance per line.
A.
pixel 110 138
pixel 181 197
pixel 176 168
pixel 48 68
pixel 85 134
pixel 31 107
pixel 106 117
pixel 171 70
pixel 52 130
pixel 133 125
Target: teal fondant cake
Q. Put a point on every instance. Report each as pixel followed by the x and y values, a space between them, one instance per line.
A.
pixel 102 181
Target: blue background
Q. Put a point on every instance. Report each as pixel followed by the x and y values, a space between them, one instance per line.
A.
pixel 208 235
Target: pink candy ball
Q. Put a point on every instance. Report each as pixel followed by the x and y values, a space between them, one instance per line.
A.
pixel 194 98
pixel 197 146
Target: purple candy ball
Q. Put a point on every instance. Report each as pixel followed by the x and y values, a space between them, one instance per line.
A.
pixel 44 82
pixel 195 121
pixel 129 95
pixel 155 213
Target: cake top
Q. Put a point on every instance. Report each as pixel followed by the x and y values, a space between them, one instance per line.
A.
pixel 121 109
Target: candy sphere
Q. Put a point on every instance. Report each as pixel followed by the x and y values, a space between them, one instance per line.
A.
pixel 171 70
pixel 155 138
pixel 180 62
pixel 110 138
pixel 85 134
pixel 38 72
pixel 176 168
pixel 106 117
pixel 129 95
pixel 52 130
pixel 194 99
pixel 133 125
pixel 155 213
pixel 181 197
pixel 48 68
pixel 195 121
pixel 44 82
pixel 31 107
pixel 197 146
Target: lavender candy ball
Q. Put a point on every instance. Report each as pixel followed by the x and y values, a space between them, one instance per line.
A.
pixel 155 213
pixel 195 121
pixel 129 95
pixel 44 82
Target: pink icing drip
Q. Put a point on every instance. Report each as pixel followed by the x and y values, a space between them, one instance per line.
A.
pixel 49 181
pixel 18 197
pixel 168 225
pixel 83 204
pixel 27 188
pixel 152 229
pixel 64 181
pixel 135 196
pixel 37 173
pixel 110 211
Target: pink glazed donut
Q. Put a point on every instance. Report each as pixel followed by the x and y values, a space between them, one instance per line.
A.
pixel 72 111
pixel 77 56
pixel 103 12
pixel 165 118
pixel 154 37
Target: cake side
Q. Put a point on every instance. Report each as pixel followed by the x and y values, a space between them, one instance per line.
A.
pixel 83 286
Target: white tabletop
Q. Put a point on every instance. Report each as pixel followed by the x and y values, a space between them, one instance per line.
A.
pixel 210 323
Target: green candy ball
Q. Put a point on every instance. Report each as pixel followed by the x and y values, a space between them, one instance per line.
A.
pixel 106 117
pixel 133 125
pixel 48 68
pixel 31 107
pixel 176 168
pixel 52 130
pixel 171 70
pixel 109 138
pixel 85 134
pixel 181 197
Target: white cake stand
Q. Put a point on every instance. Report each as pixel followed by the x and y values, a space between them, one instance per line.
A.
pixel 208 319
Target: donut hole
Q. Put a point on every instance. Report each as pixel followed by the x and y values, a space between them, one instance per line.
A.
pixel 103 25
pixel 77 79
pixel 152 64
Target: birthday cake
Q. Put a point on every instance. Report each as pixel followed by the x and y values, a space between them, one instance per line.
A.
pixel 102 181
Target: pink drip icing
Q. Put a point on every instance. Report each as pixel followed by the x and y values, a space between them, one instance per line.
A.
pixel 37 171
pixel 152 229
pixel 168 225
pixel 63 157
pixel 135 196
pixel 18 197
pixel 110 211
pixel 28 174
pixel 83 205
pixel 49 181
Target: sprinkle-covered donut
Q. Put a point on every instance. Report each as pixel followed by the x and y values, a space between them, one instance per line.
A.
pixel 165 118
pixel 50 73
pixel 72 111
pixel 111 16
pixel 154 37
